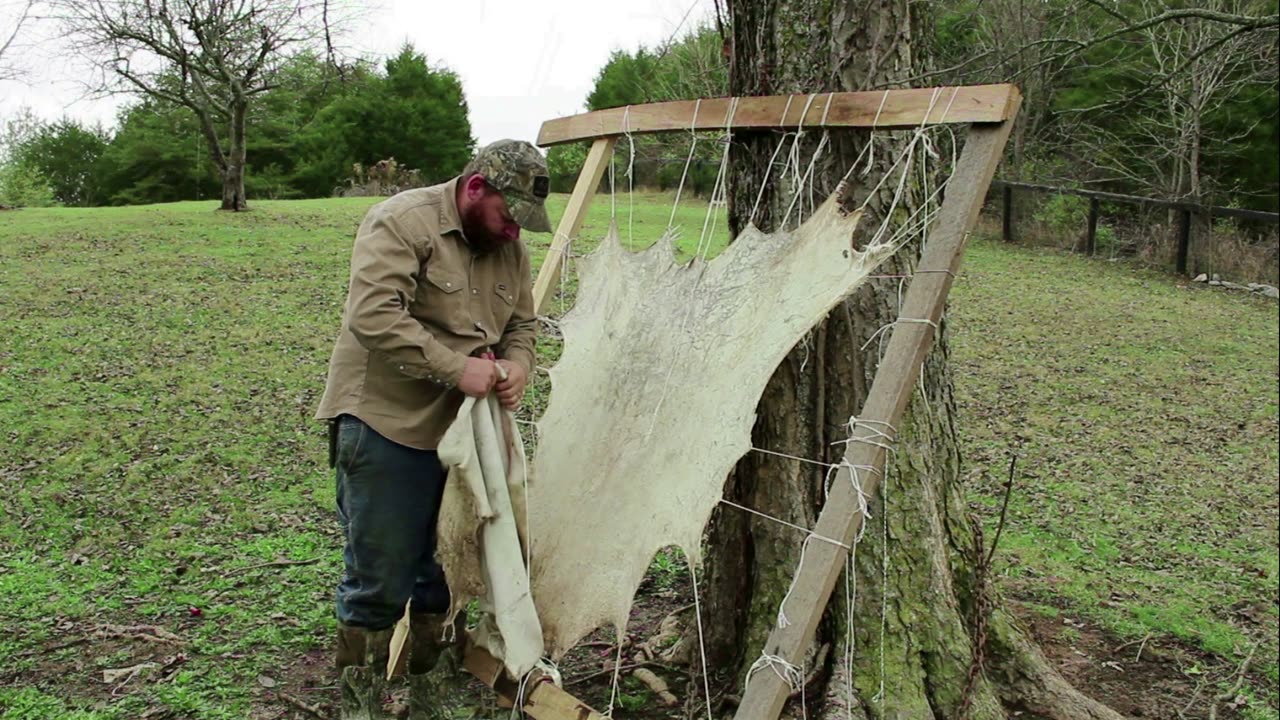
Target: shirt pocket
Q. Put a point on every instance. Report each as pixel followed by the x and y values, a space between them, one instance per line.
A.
pixel 441 301
pixel 502 301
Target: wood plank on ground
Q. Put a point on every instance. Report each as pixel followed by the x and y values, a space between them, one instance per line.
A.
pixel 542 701
pixel 884 109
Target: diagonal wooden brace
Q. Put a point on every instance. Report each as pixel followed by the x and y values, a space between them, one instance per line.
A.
pixel 766 692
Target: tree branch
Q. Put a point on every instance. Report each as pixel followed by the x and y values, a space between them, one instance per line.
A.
pixel 8 43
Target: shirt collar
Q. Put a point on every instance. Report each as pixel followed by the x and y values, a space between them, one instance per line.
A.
pixel 450 219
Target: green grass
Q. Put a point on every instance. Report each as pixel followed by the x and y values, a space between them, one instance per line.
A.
pixel 159 368
pixel 1144 414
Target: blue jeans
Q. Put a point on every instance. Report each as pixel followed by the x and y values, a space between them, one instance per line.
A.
pixel 388 502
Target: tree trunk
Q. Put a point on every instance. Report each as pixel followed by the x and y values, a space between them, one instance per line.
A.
pixel 913 611
pixel 233 186
pixel 233 169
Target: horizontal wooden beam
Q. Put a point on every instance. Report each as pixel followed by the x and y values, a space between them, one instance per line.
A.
pixel 885 109
pixel 542 700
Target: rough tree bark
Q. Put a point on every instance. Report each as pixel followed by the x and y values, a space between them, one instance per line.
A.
pixel 233 197
pixel 912 653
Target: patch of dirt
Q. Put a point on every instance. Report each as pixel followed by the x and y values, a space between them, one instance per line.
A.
pixel 312 682
pixel 1148 678
pixel 101 662
pixel 587 672
pixel 588 669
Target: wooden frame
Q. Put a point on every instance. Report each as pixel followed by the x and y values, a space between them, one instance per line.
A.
pixel 571 222
pixel 884 407
pixel 884 110
pixel 990 111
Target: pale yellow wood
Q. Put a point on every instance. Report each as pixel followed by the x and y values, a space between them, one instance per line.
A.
pixel 884 109
pixel 571 222
pixel 548 702
pixel 397 657
pixel 543 700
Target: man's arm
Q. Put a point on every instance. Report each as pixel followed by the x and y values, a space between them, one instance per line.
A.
pixel 384 278
pixel 521 332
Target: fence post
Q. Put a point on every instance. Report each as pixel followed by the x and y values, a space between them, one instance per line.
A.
pixel 1090 240
pixel 1184 239
pixel 1008 213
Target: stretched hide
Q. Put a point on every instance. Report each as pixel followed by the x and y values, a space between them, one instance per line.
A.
pixel 654 398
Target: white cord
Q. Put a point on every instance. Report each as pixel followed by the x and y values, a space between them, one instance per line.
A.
pixel 693 143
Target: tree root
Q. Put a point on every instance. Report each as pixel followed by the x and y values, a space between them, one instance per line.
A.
pixel 839 704
pixel 1024 679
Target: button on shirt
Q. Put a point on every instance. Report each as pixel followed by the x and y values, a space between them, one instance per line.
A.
pixel 421 301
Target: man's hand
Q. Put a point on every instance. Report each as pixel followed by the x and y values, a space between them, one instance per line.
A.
pixel 478 377
pixel 511 390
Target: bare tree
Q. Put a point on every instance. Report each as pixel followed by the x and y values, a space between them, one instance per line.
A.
pixel 1190 68
pixel 211 56
pixel 1041 45
pixel 22 13
pixel 1006 42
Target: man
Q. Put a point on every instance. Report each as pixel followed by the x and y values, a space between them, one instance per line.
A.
pixel 440 295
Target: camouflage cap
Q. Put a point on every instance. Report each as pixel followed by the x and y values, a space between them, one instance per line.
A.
pixel 517 170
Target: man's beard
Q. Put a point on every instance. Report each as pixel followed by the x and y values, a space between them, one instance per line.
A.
pixel 479 237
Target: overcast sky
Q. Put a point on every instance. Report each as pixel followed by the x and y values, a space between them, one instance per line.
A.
pixel 521 61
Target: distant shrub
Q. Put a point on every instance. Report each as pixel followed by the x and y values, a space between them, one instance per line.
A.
pixel 1062 213
pixel 1106 240
pixel 564 162
pixel 385 177
pixel 24 186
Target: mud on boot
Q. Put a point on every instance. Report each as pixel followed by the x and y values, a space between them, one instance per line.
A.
pixel 432 642
pixel 435 665
pixel 363 685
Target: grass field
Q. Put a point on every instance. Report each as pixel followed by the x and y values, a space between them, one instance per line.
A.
pixel 159 366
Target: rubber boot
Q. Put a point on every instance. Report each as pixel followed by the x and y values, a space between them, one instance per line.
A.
pixel 435 657
pixel 351 643
pixel 364 685
pixel 431 642
pixel 429 697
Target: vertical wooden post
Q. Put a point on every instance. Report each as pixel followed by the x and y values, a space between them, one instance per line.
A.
pixel 1008 213
pixel 571 222
pixel 1184 239
pixel 1091 239
pixel 766 690
pixel 1204 220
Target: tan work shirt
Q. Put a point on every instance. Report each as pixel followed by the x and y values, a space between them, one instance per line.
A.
pixel 420 301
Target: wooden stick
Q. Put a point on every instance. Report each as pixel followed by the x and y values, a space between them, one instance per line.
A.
pixel 543 700
pixel 885 109
pixel 397 658
pixel 300 704
pixel 272 564
pixel 574 213
pixel 766 692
